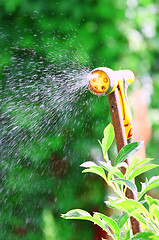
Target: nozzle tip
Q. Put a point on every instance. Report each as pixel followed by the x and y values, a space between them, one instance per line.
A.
pixel 99 83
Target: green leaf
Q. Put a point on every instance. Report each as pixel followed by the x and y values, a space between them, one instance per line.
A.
pixel 76 213
pixel 148 185
pixel 115 172
pixel 133 208
pixel 127 235
pixel 122 164
pixel 97 218
pixel 127 151
pixel 97 170
pixel 106 226
pixel 154 211
pixel 140 217
pixel 128 184
pixel 144 161
pixel 88 164
pixel 110 222
pixel 130 205
pixel 82 215
pixel 93 168
pixel 122 220
pixel 141 170
pixel 106 166
pixel 153 207
pixel 154 237
pixel 142 235
pixel 108 139
pixel 133 163
pixel 112 203
pixel 136 163
pixel 151 200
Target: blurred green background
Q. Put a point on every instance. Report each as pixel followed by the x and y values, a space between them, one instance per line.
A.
pixel 40 176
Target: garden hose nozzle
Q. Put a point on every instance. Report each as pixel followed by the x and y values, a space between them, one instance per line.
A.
pixel 105 81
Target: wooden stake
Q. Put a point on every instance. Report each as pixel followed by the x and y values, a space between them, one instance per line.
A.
pixel 121 141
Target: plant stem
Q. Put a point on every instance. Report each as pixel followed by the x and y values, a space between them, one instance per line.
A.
pixel 116 189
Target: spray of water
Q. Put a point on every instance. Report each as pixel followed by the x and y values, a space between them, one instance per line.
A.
pixel 41 97
pixel 45 101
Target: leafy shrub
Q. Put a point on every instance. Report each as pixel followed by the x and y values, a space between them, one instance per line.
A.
pixel 144 208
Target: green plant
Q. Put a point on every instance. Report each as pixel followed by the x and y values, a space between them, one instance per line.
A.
pixel 145 208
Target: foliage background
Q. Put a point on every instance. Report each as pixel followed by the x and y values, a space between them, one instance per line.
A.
pixel 40 175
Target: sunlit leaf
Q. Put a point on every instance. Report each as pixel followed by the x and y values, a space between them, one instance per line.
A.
pixel 114 172
pixel 141 170
pixel 93 168
pixel 128 184
pixel 148 185
pixel 112 202
pixel 108 139
pixel 123 164
pixel 76 213
pixel 151 200
pixel 105 165
pixel 144 161
pixel 110 222
pixel 82 215
pixel 134 161
pixel 127 235
pixel 122 220
pixel 154 211
pixel 154 237
pixel 130 206
pixel 127 151
pixel 97 218
pixel 142 235
pixel 140 217
pixel 88 164
pixel 97 170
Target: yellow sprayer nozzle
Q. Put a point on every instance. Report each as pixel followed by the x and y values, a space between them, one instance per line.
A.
pixel 105 81
pixel 100 83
